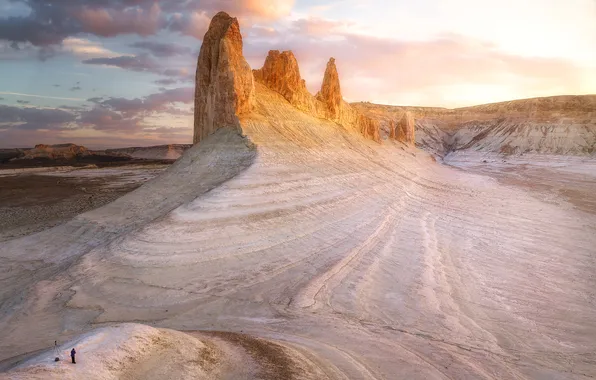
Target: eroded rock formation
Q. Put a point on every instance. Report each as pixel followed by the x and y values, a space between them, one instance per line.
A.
pixel 405 130
pixel 392 129
pixel 225 85
pixel 330 93
pixel 58 151
pixel 224 80
pixel 368 127
pixel 282 74
pixel 548 125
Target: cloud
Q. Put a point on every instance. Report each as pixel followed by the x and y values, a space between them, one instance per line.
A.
pixel 23 102
pixel 268 9
pixel 142 62
pixel 450 70
pixel 194 24
pixel 161 49
pixel 104 119
pixel 122 115
pixel 85 48
pixel 41 96
pixel 146 63
pixel 158 102
pixel 52 21
pixel 110 22
pixel 315 26
pixel 32 118
pixel 159 118
pixel 75 88
pixel 46 52
pixel 166 81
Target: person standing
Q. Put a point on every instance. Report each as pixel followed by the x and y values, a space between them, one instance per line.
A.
pixel 72 356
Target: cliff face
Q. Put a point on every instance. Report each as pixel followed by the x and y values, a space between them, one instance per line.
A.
pixel 224 81
pixel 550 125
pixel 368 127
pixel 58 151
pixel 405 129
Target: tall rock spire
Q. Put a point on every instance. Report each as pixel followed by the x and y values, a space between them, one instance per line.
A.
pixel 330 93
pixel 224 82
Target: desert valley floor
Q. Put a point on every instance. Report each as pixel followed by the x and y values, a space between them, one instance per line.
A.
pixel 304 251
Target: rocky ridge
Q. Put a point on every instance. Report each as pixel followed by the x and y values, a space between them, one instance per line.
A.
pixel 44 155
pixel 549 125
pixel 58 151
pixel 225 90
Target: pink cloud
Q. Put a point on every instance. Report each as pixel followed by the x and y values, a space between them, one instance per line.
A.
pixel 194 24
pixel 106 22
pixel 448 71
pixel 270 9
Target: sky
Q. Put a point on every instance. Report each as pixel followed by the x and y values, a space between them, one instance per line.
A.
pixel 115 73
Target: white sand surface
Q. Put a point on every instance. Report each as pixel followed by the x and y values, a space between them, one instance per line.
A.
pixel 358 260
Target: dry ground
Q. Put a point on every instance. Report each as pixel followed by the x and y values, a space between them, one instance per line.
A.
pixel 350 259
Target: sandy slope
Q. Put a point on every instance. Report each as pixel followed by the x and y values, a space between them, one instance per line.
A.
pixel 362 260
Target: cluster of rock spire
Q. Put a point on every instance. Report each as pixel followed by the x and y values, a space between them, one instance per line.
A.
pixel 225 87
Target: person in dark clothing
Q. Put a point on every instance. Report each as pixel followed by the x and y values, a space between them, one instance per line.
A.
pixel 72 356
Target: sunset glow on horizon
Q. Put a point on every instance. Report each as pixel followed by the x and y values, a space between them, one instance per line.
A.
pixel 122 73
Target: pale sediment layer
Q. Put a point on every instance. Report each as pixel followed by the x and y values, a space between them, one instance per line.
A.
pixel 366 260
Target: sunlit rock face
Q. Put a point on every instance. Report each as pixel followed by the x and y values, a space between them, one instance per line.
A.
pixel 282 74
pixel 224 81
pixel 330 93
pixel 405 131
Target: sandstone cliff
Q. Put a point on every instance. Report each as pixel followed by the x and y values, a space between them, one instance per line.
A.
pixel 224 81
pixel 55 152
pixel 282 74
pixel 392 129
pixel 330 93
pixel 405 129
pixel 553 125
pixel 225 85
